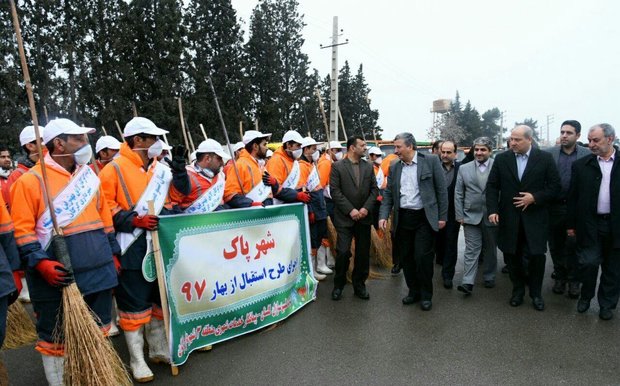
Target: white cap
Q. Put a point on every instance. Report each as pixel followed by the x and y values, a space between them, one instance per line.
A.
pixel 251 135
pixel 192 157
pixel 292 135
pixel 269 153
pixel 27 135
pixel 107 142
pixel 375 150
pixel 336 145
pixel 140 125
pixel 308 141
pixel 211 146
pixel 238 146
pixel 55 127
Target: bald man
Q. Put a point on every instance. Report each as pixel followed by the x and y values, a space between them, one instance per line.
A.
pixel 521 185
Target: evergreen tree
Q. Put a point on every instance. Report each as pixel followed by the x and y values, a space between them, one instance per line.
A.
pixel 215 48
pixel 278 68
pixel 534 125
pixel 14 113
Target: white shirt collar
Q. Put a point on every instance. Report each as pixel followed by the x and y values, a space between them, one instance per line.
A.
pixel 611 159
pixel 527 153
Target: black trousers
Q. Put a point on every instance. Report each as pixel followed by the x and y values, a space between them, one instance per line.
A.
pixel 603 254
pixel 535 268
pixel 415 239
pixel 561 247
pixel 361 233
pixel 446 248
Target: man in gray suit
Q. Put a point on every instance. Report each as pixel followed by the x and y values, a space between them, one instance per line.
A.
pixel 353 188
pixel 416 189
pixel 471 211
pixel 562 247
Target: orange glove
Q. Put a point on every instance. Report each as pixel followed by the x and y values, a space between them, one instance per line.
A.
pixel 54 273
pixel 18 281
pixel 117 264
pixel 257 204
pixel 148 222
pixel 303 197
pixel 379 198
pixel 311 218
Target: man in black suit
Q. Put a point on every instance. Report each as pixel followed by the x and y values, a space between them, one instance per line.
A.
pixel 416 190
pixel 522 184
pixel 354 191
pixel 594 219
pixel 446 247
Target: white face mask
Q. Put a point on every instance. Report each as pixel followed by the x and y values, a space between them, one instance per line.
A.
pixel 339 156
pixel 83 155
pixel 205 172
pixel 315 156
pixel 261 162
pixel 155 149
pixel 378 160
pixel 296 153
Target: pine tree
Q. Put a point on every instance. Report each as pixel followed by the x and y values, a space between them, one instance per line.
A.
pixel 215 48
pixel 278 68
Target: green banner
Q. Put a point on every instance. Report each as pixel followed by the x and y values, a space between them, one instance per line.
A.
pixel 233 272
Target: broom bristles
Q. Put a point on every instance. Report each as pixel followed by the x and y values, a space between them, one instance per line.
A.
pixel 20 329
pixel 90 358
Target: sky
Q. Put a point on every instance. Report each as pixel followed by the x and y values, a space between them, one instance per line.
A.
pixel 547 60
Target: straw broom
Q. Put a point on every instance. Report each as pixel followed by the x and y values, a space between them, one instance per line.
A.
pixel 90 358
pixel 20 329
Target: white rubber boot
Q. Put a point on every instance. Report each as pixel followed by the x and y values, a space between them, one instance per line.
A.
pixel 158 344
pixel 139 369
pixel 54 369
pixel 24 295
pixel 318 276
pixel 113 331
pixel 321 258
pixel 331 262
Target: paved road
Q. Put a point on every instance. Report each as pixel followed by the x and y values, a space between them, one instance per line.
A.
pixel 475 340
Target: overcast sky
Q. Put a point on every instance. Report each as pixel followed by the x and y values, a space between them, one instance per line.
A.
pixel 529 58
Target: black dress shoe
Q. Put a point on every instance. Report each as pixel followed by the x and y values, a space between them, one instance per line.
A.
pixel 538 303
pixel 447 283
pixel 583 305
pixel 505 269
pixel 516 300
pixel 559 287
pixel 489 284
pixel 605 313
pixel 465 288
pixel 573 289
pixel 396 269
pixel 337 294
pixel 426 305
pixel 362 293
pixel 410 299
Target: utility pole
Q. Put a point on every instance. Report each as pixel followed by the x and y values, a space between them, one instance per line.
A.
pixel 333 105
pixel 549 122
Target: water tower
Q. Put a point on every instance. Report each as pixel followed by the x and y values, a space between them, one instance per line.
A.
pixel 440 107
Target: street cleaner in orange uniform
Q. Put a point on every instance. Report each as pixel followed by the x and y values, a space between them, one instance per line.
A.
pixel 375 156
pixel 106 149
pixel 244 185
pixel 207 181
pixel 283 172
pixel 84 217
pixel 385 168
pixel 129 182
pixel 10 281
pixel 317 211
pixel 335 152
pixel 28 142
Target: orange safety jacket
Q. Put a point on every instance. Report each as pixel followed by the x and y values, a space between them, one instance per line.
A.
pixel 280 165
pixel 387 161
pixel 199 185
pixel 9 257
pixel 324 167
pixel 250 174
pixel 89 238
